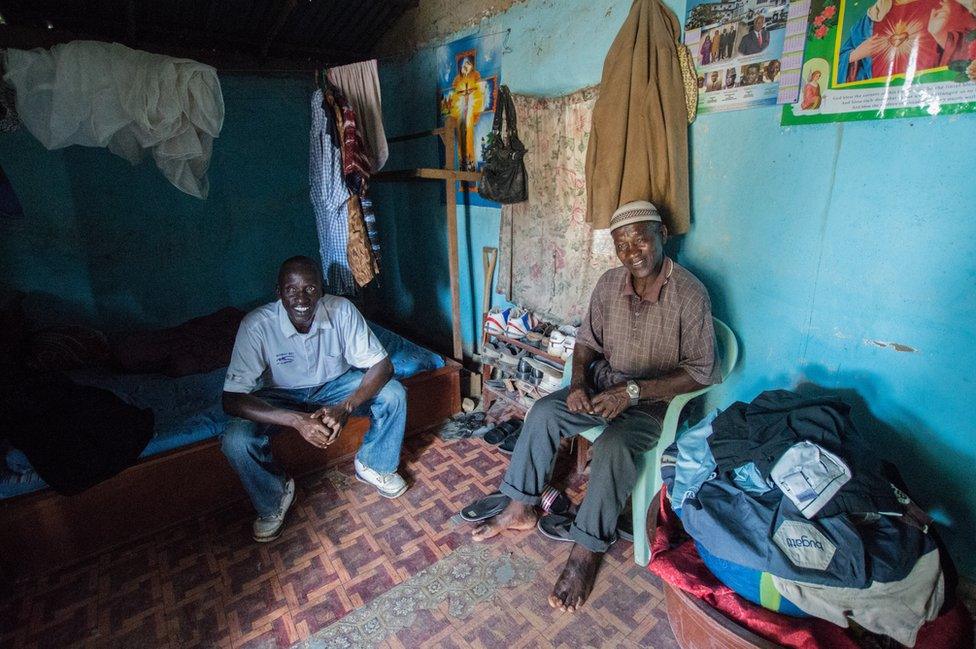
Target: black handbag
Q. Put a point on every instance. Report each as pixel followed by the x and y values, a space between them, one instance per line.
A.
pixel 503 177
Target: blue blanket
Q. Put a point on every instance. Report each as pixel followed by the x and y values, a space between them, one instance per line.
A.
pixel 187 409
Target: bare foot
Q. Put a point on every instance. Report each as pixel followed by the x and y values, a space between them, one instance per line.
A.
pixel 576 580
pixel 516 516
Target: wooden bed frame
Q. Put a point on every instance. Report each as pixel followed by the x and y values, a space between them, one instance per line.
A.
pixel 41 531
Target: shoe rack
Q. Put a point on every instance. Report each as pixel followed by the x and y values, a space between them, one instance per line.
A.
pixel 489 394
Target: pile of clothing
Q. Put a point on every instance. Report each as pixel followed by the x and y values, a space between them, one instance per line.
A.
pixel 786 488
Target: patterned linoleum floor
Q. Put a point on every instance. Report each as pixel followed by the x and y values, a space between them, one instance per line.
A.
pixel 204 583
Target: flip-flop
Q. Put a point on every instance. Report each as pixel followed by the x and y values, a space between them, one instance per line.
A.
pixel 484 508
pixel 498 434
pixel 556 502
pixel 508 444
pixel 556 526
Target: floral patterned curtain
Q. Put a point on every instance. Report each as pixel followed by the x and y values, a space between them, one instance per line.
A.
pixel 549 258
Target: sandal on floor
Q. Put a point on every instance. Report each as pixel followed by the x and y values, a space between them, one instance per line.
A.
pixel 498 434
pixel 556 502
pixel 508 444
pixel 556 526
pixel 484 508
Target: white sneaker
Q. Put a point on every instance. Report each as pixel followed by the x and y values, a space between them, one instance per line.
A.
pixel 520 323
pixel 497 321
pixel 268 528
pixel 390 485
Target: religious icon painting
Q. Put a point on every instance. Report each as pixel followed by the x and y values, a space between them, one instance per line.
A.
pixel 469 72
pixel 877 59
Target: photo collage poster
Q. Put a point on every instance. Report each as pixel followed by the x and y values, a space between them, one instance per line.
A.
pixel 737 46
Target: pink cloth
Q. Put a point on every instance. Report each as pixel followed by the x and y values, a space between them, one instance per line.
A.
pixel 549 259
pixel 360 83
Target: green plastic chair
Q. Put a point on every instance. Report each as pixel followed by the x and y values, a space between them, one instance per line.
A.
pixel 649 472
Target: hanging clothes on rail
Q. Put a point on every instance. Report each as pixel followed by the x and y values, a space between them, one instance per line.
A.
pixel 339 171
pixel 360 83
pixel 362 251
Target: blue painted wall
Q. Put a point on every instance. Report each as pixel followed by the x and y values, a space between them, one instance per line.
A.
pixel 117 246
pixel 813 241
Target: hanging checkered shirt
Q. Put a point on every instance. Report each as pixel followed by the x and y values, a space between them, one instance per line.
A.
pixel 329 196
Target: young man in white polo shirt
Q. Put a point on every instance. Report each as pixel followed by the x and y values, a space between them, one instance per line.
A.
pixel 305 351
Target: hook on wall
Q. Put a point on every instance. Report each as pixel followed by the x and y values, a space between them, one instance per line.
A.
pixel 506 49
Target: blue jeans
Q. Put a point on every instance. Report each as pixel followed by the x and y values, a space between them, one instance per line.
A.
pixel 247 444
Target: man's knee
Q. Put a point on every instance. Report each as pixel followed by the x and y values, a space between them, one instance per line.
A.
pixel 615 445
pixel 546 408
pixel 393 396
pixel 238 438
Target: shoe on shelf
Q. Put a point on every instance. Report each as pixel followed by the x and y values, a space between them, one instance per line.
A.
pixel 569 343
pixel 490 353
pixel 520 322
pixel 497 321
pixel 390 485
pixel 556 340
pixel 268 528
pixel 509 357
pixel 547 369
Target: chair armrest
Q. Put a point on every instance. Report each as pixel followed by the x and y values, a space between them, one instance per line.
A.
pixel 649 480
pixel 669 427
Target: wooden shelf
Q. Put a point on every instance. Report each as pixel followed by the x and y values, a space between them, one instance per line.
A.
pixel 426 173
pixel 535 351
pixel 491 395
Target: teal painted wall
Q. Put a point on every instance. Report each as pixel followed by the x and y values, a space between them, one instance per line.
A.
pixel 813 241
pixel 117 246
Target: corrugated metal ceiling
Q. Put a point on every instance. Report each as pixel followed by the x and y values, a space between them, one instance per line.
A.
pixel 298 32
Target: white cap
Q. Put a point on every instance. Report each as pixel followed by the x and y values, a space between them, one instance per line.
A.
pixel 634 212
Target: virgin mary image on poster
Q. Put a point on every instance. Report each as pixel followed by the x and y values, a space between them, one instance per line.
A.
pixel 902 38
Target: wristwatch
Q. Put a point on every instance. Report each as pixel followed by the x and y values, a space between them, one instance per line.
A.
pixel 633 391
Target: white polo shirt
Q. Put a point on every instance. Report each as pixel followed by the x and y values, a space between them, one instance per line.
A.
pixel 270 353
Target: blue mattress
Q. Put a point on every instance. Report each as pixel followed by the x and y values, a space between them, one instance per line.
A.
pixel 187 409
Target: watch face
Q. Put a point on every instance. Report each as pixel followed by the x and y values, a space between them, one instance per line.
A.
pixel 633 390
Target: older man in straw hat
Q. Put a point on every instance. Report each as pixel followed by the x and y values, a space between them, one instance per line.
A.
pixel 647 337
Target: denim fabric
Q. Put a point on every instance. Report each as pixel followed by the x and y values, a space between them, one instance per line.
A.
pixel 694 464
pixel 247 444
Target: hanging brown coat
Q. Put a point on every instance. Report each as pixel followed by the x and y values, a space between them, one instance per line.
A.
pixel 638 147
